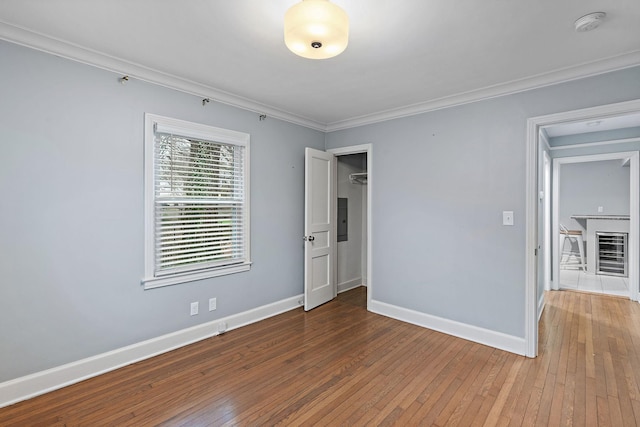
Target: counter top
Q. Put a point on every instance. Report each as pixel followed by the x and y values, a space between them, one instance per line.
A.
pixel 601 223
pixel 614 217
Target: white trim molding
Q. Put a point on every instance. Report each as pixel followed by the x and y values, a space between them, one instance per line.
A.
pixel 576 72
pixel 65 49
pixel 349 284
pixel 595 144
pixel 465 331
pixel 541 306
pixel 29 386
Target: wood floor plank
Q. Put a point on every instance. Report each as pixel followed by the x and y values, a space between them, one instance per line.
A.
pixel 471 398
pixel 503 396
pixel 468 378
pixel 407 396
pixel 580 400
pixel 341 365
pixel 555 413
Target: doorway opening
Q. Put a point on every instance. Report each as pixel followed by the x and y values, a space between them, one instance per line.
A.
pixel 592 194
pixel 535 126
pixel 351 248
pixel 353 234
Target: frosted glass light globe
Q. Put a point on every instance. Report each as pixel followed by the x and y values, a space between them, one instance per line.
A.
pixel 316 29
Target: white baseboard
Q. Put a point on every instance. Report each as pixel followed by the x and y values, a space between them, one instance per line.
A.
pixel 540 306
pixel 29 386
pixel 349 284
pixel 488 337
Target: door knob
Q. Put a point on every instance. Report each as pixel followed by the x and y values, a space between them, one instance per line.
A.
pixel 309 238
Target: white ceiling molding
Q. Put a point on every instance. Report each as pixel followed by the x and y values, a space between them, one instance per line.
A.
pixel 90 57
pixel 619 62
pixel 38 41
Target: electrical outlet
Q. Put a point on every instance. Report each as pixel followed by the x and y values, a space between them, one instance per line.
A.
pixel 600 209
pixel 212 304
pixel 194 308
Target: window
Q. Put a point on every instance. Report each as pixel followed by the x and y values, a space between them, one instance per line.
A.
pixel 196 201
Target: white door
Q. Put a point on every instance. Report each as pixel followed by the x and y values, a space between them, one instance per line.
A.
pixel 319 211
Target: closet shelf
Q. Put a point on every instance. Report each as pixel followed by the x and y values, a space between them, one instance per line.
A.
pixel 358 178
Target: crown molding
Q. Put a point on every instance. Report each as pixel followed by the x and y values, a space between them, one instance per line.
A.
pixel 62 48
pixel 74 52
pixel 576 72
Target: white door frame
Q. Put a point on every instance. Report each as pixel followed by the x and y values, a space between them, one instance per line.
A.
pixel 547 223
pixel 633 204
pixel 534 125
pixel 368 149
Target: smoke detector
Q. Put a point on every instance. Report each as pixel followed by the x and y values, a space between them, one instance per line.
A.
pixel 589 22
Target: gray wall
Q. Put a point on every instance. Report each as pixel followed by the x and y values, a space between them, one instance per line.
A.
pixel 441 181
pixel 71 234
pixel 586 186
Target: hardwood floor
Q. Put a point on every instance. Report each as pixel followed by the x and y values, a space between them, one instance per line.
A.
pixel 341 365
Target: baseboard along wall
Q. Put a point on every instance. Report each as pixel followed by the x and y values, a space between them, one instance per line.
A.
pixel 488 337
pixel 33 385
pixel 349 284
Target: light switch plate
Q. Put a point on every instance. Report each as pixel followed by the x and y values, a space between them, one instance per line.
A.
pixel 507 217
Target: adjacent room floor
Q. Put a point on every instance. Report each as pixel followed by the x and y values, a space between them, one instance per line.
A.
pixel 579 280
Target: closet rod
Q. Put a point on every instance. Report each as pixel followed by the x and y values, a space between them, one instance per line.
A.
pixel 358 178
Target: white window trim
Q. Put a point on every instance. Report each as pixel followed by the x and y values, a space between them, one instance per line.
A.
pixel 199 131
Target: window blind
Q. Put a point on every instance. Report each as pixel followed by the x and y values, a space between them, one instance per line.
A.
pixel 199 203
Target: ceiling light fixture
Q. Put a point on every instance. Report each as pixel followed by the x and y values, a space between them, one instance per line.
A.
pixel 316 29
pixel 589 22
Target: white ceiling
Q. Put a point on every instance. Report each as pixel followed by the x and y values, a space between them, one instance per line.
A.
pixel 403 57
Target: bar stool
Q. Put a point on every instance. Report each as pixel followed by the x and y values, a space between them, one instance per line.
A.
pixel 571 236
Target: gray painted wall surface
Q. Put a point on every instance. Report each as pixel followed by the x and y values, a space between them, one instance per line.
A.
pixel 71 235
pixel 440 183
pixel 585 186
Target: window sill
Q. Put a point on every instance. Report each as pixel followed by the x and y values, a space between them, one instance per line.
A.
pixel 158 282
